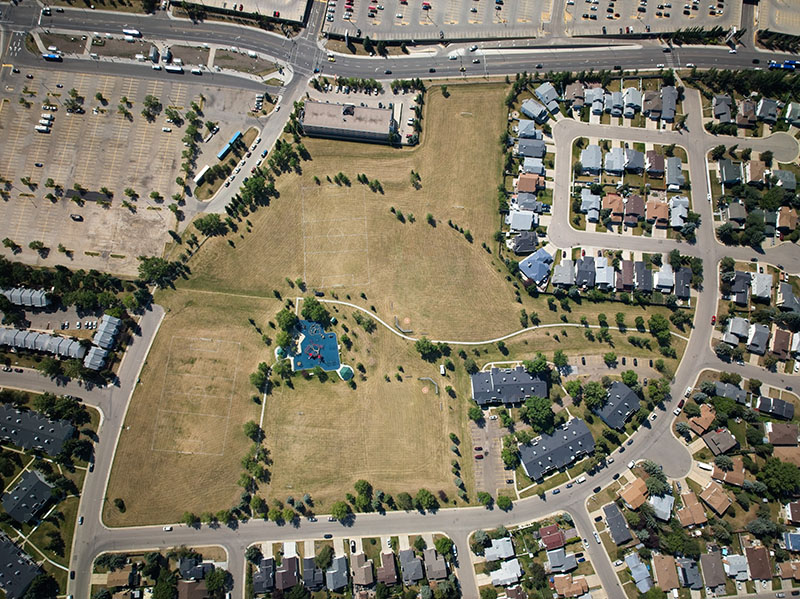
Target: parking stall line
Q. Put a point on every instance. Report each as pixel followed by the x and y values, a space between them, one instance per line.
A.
pixel 525 10
pixel 453 12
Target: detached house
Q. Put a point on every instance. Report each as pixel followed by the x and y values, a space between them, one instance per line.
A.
pixel 624 280
pixel 657 213
pixel 592 159
pixel 754 172
pixel 721 105
pixel 526 129
pixel 785 179
pixel 594 97
pixel 533 110
pixel 614 104
pixel 669 100
pixel 793 114
pixel 737 214
pixel 651 105
pixel 678 211
pixel 632 99
pixel 634 210
pixel 574 95
pixel 613 203
pixel 615 162
pixel 590 205
pixel 767 111
pixel 654 163
pixel 746 118
pixel 634 161
pixel 675 177
pixel 548 96
pixel 729 173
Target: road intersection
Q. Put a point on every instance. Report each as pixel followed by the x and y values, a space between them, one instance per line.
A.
pixel 303 54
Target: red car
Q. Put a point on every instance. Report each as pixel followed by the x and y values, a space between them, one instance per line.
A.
pixel 479 456
pixel 714 319
pixel 479 448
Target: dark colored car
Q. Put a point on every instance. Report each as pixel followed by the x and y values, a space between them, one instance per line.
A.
pixel 597 489
pixel 329 536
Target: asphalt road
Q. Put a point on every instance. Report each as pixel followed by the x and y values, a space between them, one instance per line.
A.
pixel 303 54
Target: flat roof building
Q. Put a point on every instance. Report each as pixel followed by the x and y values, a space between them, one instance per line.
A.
pixel 348 122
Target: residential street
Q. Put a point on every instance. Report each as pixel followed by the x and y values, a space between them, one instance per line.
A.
pixel 304 53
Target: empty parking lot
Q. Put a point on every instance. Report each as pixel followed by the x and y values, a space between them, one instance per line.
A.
pixel 101 148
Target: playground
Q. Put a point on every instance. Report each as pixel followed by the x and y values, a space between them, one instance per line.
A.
pixel 315 348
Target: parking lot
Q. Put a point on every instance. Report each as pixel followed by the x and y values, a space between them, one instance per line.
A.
pixel 96 149
pixel 782 16
pixel 437 19
pixel 487 441
pixel 593 17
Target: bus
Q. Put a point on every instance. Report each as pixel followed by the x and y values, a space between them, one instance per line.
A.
pixel 42 129
pixel 132 32
pixel 173 68
pixel 52 57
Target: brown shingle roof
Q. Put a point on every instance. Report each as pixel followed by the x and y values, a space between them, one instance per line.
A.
pixel 780 343
pixel 552 537
pixel 758 563
pixel 529 183
pixel 720 441
pixel 781 433
pixel 755 171
pixel 716 498
pixel 566 586
pixel 634 209
pixel 787 454
pixel 634 494
pixel 655 162
pixel 387 571
pixel 789 570
pixel 666 572
pixel 787 219
pixel 613 202
pixel 191 589
pixel 732 477
pixel 699 424
pixel 657 212
pixel 692 512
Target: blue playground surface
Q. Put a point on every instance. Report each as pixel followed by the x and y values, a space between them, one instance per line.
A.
pixel 317 348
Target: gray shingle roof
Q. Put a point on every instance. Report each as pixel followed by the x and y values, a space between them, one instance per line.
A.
pixel 411 566
pixel 615 161
pixel 527 129
pixel 17 569
pixel 564 274
pixel 585 275
pixel 592 158
pixel 731 391
pixel 553 452
pixel 689 573
pixel 531 148
pixel 617 526
pixel 31 430
pixel 757 339
pixel 107 330
pixel 435 566
pixel 532 109
pixel 264 576
pixel 634 161
pixel 776 407
pixel 713 571
pixel 729 172
pixel 27 497
pixel 786 179
pixel 559 561
pixel 767 110
pixel 506 386
pixel 95 359
pixel 643 277
pixel 639 572
pixel 669 100
pixel 683 278
pixel 674 172
pixel 60 346
pixel 622 402
pixel 536 267
pixel 313 577
pixel 533 165
pixel 336 575
pixel 29 298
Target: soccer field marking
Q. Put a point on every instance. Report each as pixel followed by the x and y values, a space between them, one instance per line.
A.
pixel 334 234
pixel 164 408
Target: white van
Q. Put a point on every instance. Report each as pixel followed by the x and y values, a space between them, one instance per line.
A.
pixel 581 480
pixel 705 466
pixel 441 369
pixel 196 71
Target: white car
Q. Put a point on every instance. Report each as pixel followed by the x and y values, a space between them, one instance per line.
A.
pixel 156 67
pixel 398 16
pixel 653 416
pixel 167 529
pixel 597 537
pixel 732 51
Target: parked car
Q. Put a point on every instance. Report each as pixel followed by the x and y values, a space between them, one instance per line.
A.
pixel 478 456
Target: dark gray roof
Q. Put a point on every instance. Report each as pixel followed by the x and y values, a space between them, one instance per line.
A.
pixel 758 338
pixel 720 441
pixel 786 179
pixel 28 496
pixel 507 386
pixel 729 172
pixel 731 391
pixel 617 526
pixel 585 274
pixel 689 573
pixel 313 577
pixel 740 286
pixel 264 576
pixel 787 299
pixel 683 278
pixel 722 108
pixel 531 148
pixel 643 277
pixel 713 570
pixel 31 430
pixel 193 568
pixel 669 100
pixel 524 243
pixel 776 407
pixel 674 172
pixel 621 403
pixel 411 566
pixel 634 160
pixel 17 569
pixel 553 452
pixel 767 110
pixel 336 575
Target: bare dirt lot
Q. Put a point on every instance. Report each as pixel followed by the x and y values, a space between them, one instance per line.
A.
pixel 237 61
pixel 190 55
pixel 100 148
